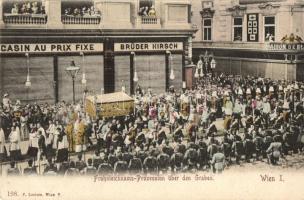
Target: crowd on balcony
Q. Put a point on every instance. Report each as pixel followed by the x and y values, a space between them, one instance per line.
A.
pixel 33 8
pixel 167 133
pixel 147 11
pixel 82 12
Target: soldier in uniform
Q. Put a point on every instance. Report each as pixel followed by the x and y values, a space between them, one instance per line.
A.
pixel 120 166
pixel 218 161
pixel 274 152
pixel 237 148
pixel 90 170
pixel 80 164
pixel 135 165
pixel 150 163
pixel 163 163
pixel 191 158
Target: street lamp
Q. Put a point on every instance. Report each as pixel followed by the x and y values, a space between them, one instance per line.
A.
pixel 83 80
pixel 72 71
pixel 206 60
pixel 172 77
pixel 213 64
pixel 135 77
pixel 28 81
pixel 200 67
pixel 123 87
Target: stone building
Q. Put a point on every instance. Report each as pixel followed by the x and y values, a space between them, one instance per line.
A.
pixel 114 43
pixel 254 37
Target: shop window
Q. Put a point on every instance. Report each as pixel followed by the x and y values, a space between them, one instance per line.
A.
pixel 147 8
pixel 269 29
pixel 237 29
pixel 207 29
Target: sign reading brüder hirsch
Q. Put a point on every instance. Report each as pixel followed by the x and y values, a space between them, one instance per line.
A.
pixel 51 48
pixel 149 46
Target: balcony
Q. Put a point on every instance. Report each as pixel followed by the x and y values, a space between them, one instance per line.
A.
pixel 25 18
pixel 70 19
pixel 149 20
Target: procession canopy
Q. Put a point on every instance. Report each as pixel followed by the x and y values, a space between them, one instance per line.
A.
pixel 109 105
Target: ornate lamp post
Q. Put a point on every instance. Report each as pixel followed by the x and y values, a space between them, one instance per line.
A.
pixel 72 71
pixel 123 87
pixel 135 76
pixel 28 81
pixel 213 65
pixel 172 76
pixel 206 60
pixel 83 80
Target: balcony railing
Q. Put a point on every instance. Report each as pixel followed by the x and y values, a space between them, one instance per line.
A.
pixel 69 19
pixel 25 18
pixel 149 20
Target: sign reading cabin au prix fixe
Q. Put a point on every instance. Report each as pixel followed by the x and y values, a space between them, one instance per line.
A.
pixel 148 46
pixel 51 48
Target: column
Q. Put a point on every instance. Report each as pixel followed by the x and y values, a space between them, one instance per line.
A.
pixel 109 67
pixel 132 74
pixel 1 14
pixel 53 11
pixel 55 79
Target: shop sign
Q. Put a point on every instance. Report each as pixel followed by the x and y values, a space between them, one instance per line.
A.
pixel 51 48
pixel 148 46
pixel 277 46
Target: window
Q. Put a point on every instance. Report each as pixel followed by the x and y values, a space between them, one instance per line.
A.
pixel 269 32
pixel 207 29
pixel 79 9
pixel 146 8
pixel 237 29
pixel 207 4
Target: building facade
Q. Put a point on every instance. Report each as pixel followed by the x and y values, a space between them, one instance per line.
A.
pixel 251 37
pixel 111 42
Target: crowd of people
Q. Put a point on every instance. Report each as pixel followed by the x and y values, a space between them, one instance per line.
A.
pixel 82 12
pixel 28 8
pixel 178 131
